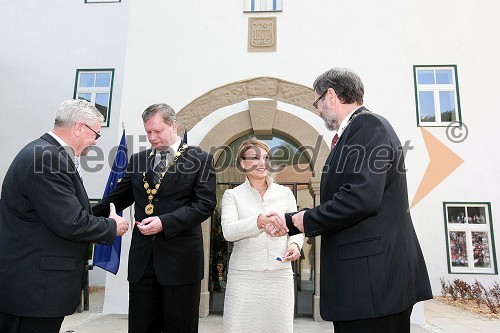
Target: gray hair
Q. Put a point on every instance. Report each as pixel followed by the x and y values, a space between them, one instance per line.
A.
pixel 76 110
pixel 346 84
pixel 167 113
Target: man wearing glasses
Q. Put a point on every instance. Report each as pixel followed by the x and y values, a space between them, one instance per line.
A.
pixel 46 224
pixel 372 267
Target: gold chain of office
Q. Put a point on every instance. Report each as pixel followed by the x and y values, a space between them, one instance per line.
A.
pixel 152 191
pixel 354 117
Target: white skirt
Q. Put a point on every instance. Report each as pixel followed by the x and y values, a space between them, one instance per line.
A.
pixel 259 301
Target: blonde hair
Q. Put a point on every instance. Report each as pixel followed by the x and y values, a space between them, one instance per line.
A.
pixel 246 146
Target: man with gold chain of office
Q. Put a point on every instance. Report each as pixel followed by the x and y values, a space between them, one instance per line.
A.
pixel 172 186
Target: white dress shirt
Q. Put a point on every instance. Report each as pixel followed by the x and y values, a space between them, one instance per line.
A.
pixel 346 121
pixel 71 153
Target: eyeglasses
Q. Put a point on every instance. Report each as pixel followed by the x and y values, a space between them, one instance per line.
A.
pixel 315 103
pixel 255 158
pixel 97 135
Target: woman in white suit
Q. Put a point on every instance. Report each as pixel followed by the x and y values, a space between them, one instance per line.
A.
pixel 259 292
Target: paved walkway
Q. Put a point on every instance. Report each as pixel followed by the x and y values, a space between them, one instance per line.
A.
pixel 441 318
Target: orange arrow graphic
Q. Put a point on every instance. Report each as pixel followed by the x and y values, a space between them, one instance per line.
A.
pixel 442 162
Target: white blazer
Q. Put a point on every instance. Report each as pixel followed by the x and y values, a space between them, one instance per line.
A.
pixel 254 249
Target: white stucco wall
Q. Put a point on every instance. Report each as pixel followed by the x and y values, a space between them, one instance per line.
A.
pixel 42 46
pixel 460 33
pixel 189 55
pixel 176 51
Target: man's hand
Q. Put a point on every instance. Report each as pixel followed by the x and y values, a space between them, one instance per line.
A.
pixel 121 223
pixel 149 226
pixel 298 220
pixel 292 253
pixel 273 223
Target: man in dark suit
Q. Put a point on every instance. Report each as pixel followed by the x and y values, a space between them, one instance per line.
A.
pixel 173 187
pixel 46 225
pixel 372 267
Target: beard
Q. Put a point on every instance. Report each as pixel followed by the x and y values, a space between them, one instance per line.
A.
pixel 330 119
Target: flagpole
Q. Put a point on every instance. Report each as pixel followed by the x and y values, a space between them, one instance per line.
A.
pixel 107 257
pixel 184 137
pixel 132 220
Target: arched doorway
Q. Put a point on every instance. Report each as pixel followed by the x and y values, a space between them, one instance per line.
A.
pixel 290 167
pixel 260 116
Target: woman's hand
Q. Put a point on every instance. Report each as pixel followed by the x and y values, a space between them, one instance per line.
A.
pixel 273 223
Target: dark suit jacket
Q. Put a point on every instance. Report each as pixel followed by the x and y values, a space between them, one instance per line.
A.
pixel 185 199
pixel 45 231
pixel 371 261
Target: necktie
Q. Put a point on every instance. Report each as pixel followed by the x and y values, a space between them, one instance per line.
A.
pixel 78 167
pixel 160 166
pixel 334 141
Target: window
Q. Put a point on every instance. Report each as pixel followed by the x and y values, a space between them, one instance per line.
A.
pixel 437 95
pixel 95 86
pixel 469 238
pixel 263 6
pixel 101 1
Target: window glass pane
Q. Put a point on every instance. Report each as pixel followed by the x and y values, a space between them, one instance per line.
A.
pixel 95 87
pixel 425 76
pixel 470 238
pixel 263 5
pixel 456 214
pixel 86 97
pixel 476 215
pixel 458 249
pixel 101 103
pixel 427 109
pixel 444 76
pixel 103 80
pixel 87 79
pixel 447 105
pixel 482 257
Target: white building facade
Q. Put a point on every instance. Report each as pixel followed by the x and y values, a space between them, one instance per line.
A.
pixel 232 68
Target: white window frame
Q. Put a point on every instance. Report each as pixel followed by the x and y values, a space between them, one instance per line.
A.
pixel 436 88
pixel 469 228
pixel 258 6
pixel 102 1
pixel 93 91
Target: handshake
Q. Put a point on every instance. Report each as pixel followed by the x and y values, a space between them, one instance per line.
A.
pixel 275 223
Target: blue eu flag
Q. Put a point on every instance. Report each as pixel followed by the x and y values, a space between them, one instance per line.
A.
pixel 108 257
